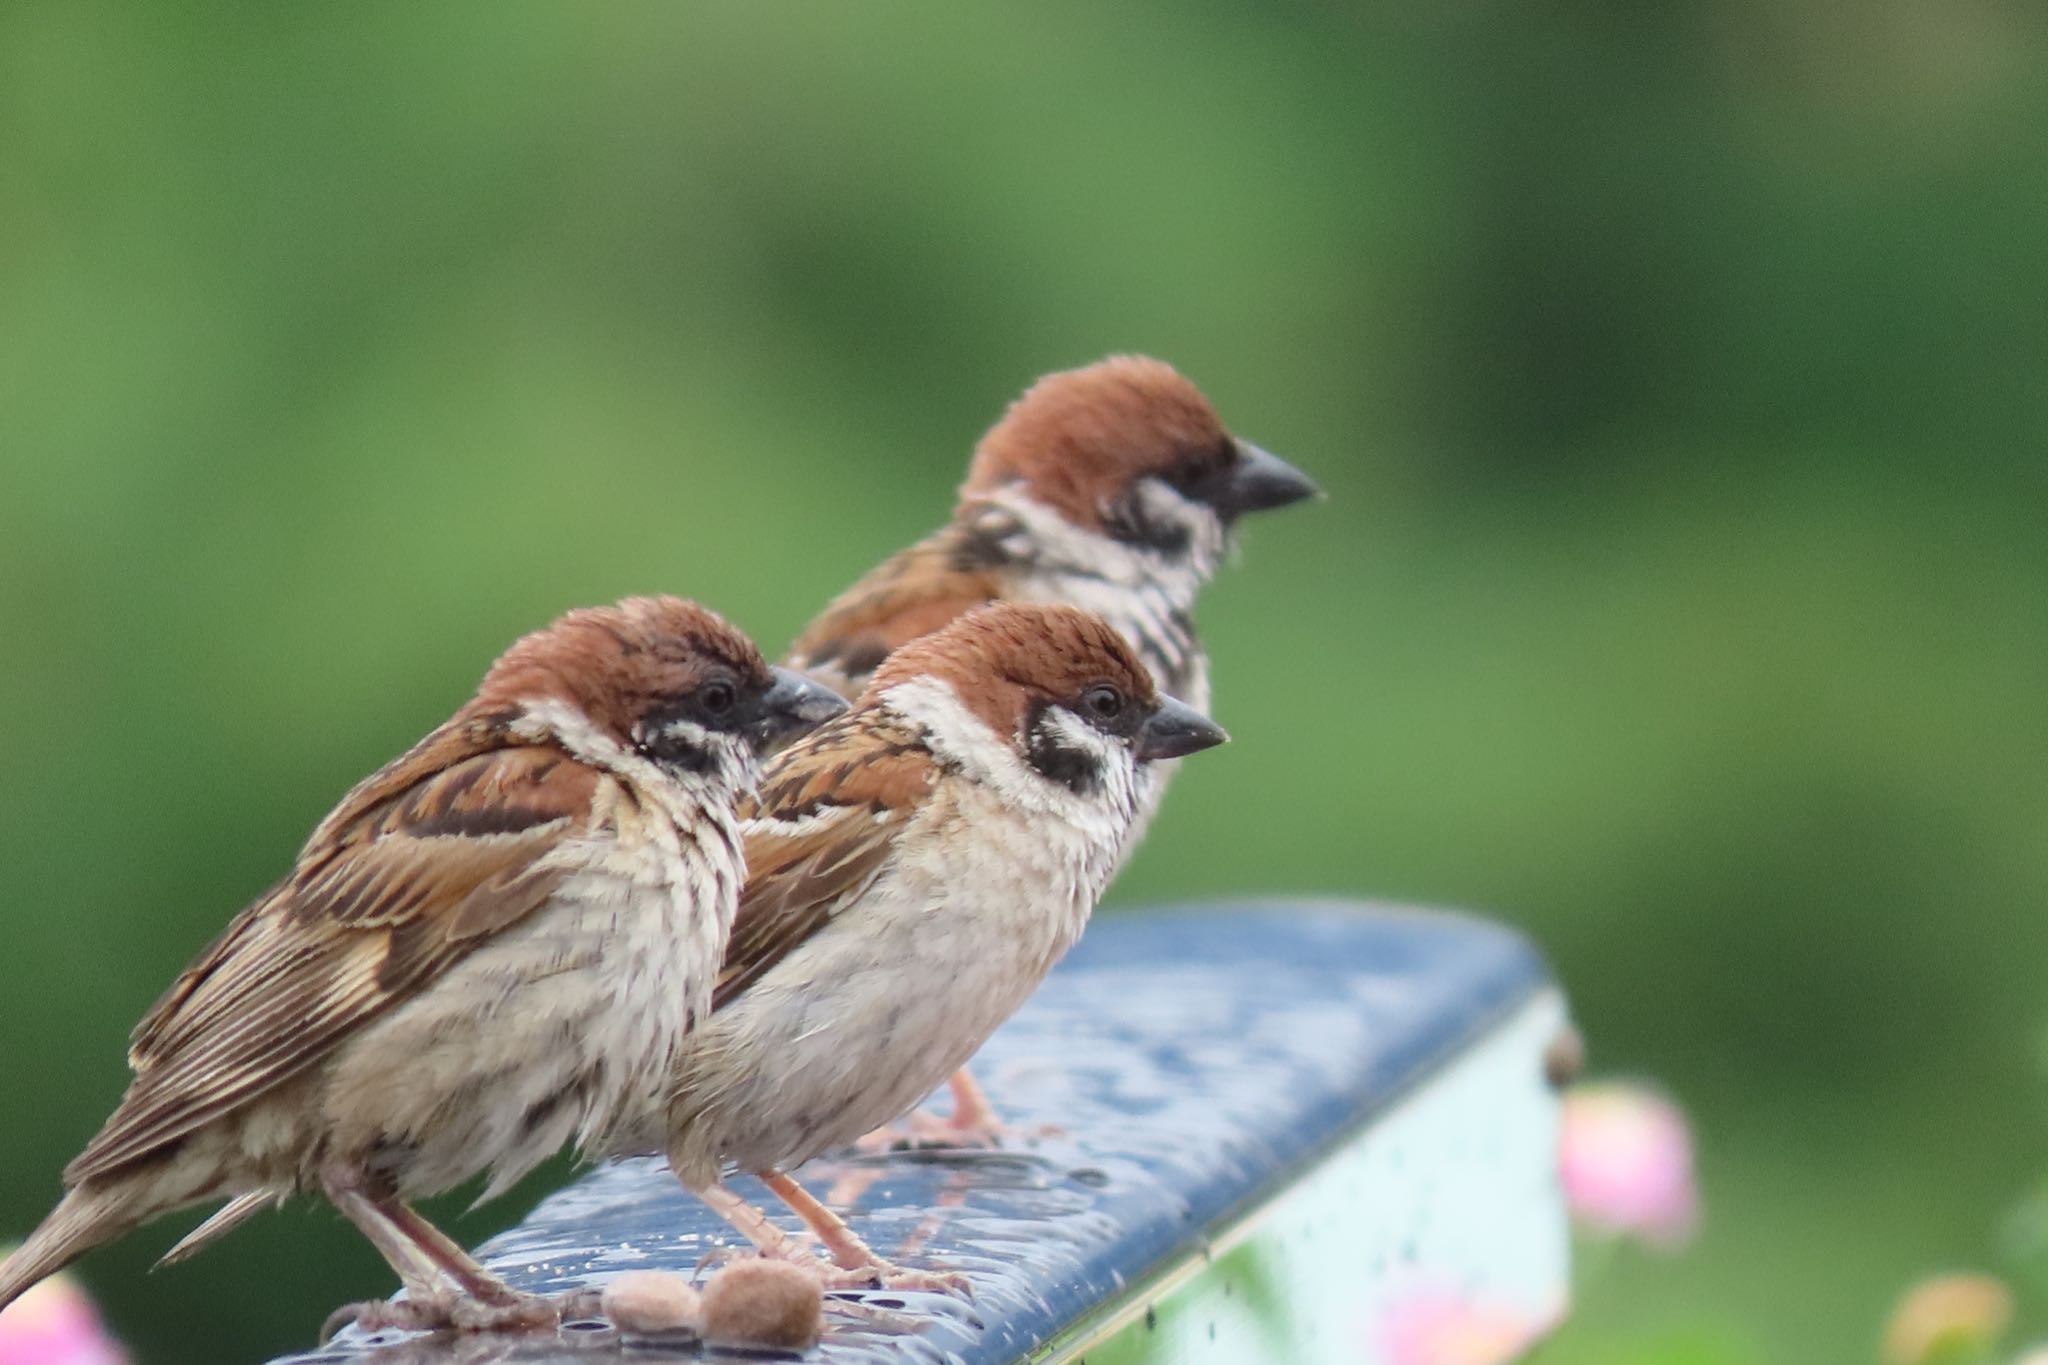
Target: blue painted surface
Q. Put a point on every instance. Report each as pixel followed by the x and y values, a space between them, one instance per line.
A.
pixel 1197 1059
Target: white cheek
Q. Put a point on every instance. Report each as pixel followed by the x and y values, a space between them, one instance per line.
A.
pixel 1055 545
pixel 1165 505
pixel 732 767
pixel 688 732
pixel 952 731
pixel 1080 737
pixel 958 736
pixel 1116 767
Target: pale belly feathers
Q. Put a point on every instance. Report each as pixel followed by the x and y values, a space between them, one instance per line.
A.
pixel 864 1018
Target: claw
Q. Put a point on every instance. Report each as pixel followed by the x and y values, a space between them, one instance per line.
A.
pixel 886 1275
pixel 520 1313
pixel 526 1313
pixel 378 1315
pixel 927 1281
pixel 338 1319
pixel 579 1303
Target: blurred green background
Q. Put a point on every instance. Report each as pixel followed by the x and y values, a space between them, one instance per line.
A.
pixel 1676 373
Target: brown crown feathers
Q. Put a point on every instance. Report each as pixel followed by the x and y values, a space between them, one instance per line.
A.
pixel 617 663
pixel 1000 658
pixel 1078 438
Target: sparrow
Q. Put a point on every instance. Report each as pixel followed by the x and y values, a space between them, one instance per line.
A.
pixel 493 947
pixel 915 867
pixel 1114 487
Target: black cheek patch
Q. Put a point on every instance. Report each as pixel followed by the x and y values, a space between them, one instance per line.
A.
pixel 673 751
pixel 1077 770
pixel 1126 520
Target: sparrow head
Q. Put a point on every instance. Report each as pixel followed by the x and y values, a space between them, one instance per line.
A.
pixel 664 678
pixel 1056 686
pixel 1128 447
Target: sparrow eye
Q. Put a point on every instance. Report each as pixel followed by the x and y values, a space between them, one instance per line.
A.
pixel 717 697
pixel 1201 474
pixel 1104 702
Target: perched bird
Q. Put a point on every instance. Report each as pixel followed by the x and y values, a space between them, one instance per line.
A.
pixel 1114 487
pixel 915 867
pixel 491 948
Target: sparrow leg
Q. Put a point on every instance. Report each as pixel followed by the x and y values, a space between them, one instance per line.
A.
pixel 421 1254
pixel 752 1224
pixel 972 1111
pixel 847 1250
pixel 974 1123
pixel 427 1303
pixel 445 1253
pixel 853 1256
pixel 415 1270
pixel 866 1271
pixel 492 1305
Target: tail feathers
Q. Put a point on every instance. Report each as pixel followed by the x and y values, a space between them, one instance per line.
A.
pixel 82 1220
pixel 225 1219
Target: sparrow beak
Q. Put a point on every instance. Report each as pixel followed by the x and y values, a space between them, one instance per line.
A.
pixel 793 705
pixel 1262 480
pixel 1175 729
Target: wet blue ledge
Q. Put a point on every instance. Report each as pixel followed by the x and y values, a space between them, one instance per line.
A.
pixel 1200 1059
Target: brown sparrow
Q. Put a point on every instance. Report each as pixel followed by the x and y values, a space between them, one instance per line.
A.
pixel 490 949
pixel 915 867
pixel 1114 487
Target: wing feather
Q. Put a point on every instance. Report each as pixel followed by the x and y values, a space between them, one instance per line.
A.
pixel 392 890
pixel 829 814
pixel 909 595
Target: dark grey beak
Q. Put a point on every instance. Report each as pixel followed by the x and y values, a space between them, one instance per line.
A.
pixel 1175 729
pixel 1261 481
pixel 793 705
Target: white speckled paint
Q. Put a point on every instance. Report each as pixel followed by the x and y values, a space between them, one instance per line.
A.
pixel 1440 1224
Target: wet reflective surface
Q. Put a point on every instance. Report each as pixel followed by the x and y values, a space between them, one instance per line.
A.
pixel 1197 1060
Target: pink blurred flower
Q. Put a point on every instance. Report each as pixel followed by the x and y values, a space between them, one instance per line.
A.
pixel 1626 1159
pixel 56 1324
pixel 1440 1329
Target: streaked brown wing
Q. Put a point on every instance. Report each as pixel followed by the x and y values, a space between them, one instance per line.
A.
pixel 396 887
pixel 830 812
pixel 911 594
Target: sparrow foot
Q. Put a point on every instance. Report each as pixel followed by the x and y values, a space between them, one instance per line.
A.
pixel 875 1274
pixel 521 1313
pixel 923 1131
pixel 463 1313
pixel 929 1131
pixel 578 1304
pixel 426 1313
pixel 887 1275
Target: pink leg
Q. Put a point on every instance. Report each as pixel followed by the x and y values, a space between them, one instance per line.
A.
pixel 848 1251
pixel 493 1305
pixel 421 1253
pixel 752 1224
pixel 855 1265
pixel 974 1123
pixel 972 1112
pixel 443 1250
pixel 415 1271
